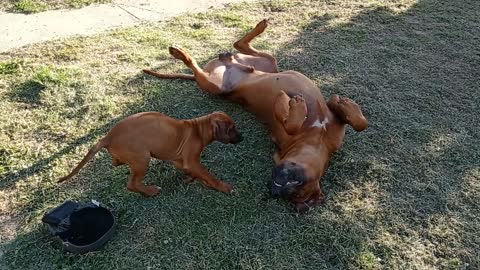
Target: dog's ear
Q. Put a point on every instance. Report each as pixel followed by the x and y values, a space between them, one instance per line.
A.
pixel 314 200
pixel 220 131
pixel 348 111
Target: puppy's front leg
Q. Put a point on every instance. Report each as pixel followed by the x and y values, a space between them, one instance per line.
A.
pixel 196 170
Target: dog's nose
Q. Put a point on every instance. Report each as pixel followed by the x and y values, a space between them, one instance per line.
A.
pixel 275 194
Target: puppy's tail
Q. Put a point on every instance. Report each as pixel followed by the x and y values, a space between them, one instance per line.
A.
pixel 97 147
pixel 169 75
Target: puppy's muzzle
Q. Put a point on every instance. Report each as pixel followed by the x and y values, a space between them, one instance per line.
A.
pixel 238 138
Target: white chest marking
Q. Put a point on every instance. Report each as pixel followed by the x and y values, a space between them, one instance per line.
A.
pixel 319 124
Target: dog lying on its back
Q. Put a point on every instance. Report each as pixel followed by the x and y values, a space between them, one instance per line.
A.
pixel 137 138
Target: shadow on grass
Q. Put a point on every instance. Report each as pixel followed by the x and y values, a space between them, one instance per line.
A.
pixel 415 75
pixel 8 179
pixel 28 92
pixel 402 177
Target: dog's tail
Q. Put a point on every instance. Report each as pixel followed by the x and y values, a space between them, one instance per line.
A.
pixel 170 76
pixel 97 147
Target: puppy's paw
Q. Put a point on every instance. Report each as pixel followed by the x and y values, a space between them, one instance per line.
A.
pixel 151 191
pixel 226 188
pixel 188 179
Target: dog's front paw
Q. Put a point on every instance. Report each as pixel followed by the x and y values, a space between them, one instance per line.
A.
pixel 297 100
pixel 297 104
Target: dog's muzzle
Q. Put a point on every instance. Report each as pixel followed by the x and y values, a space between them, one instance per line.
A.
pixel 286 178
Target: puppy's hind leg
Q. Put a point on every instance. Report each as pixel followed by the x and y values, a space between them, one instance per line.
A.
pixel 116 162
pixel 138 169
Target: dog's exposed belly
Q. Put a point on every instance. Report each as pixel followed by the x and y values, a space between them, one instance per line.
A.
pixel 257 92
pixel 228 76
pixel 232 77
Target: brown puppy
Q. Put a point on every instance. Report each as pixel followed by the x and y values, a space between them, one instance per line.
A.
pixel 137 138
pixel 306 129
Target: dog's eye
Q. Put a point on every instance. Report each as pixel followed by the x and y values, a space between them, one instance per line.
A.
pixel 277 184
pixel 292 183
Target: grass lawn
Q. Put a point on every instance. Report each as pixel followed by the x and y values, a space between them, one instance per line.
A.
pixel 402 195
pixel 34 6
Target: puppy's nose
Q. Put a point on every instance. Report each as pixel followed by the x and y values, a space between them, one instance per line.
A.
pixel 239 137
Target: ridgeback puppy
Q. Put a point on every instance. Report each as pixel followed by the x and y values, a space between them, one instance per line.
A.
pixel 137 138
pixel 305 129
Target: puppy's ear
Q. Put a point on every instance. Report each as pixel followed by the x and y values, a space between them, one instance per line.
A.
pixel 220 131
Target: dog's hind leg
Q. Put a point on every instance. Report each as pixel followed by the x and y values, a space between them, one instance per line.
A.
pixel 203 78
pixel 243 44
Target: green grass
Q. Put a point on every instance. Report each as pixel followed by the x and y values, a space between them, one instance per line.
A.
pixel 34 6
pixel 401 195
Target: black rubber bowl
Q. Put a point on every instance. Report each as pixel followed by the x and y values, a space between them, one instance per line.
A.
pixel 81 228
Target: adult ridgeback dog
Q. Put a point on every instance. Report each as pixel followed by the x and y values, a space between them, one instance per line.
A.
pixel 305 129
pixel 137 138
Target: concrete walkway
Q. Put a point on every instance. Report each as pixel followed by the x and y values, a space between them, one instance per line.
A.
pixel 17 30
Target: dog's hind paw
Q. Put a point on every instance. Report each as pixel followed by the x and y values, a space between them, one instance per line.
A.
pixel 180 54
